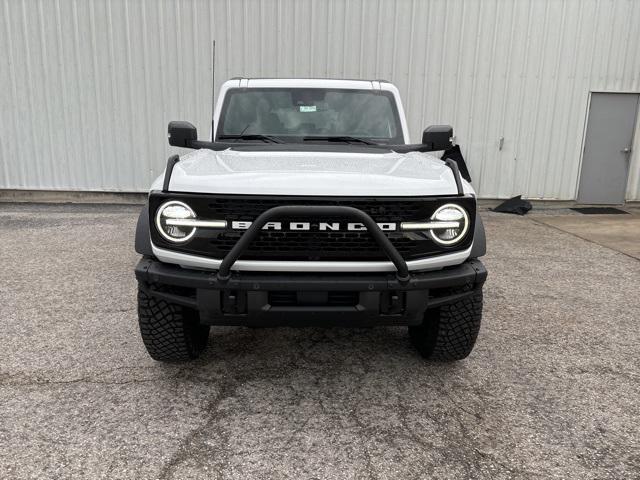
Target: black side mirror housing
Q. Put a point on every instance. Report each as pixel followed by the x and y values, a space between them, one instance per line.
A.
pixel 438 137
pixel 181 134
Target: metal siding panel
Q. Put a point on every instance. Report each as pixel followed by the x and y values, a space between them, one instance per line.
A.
pixel 8 94
pixel 89 86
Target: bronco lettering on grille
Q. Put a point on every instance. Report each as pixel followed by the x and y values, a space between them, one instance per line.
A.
pixel 322 226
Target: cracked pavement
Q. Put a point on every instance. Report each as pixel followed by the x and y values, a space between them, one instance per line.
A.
pixel 550 391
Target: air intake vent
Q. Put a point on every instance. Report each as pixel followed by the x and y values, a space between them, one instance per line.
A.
pixel 343 299
pixel 282 299
pixel 313 299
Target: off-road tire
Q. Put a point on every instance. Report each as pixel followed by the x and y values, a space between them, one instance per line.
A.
pixel 449 332
pixel 170 332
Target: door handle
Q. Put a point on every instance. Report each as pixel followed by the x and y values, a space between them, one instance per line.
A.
pixel 626 150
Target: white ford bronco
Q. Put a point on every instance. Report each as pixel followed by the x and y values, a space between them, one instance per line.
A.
pixel 309 206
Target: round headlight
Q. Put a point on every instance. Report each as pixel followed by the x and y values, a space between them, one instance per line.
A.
pixel 450 213
pixel 170 221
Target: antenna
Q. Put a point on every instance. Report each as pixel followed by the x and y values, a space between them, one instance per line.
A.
pixel 213 89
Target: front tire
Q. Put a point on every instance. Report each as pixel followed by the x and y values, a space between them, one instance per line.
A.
pixel 170 332
pixel 449 332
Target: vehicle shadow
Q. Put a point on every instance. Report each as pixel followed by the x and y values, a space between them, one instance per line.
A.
pixel 274 353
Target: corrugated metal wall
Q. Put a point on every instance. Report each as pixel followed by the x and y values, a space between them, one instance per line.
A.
pixel 87 86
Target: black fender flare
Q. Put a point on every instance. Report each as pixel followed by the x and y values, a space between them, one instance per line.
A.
pixel 479 247
pixel 143 238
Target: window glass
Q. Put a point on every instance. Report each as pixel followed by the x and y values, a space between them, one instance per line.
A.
pixel 294 113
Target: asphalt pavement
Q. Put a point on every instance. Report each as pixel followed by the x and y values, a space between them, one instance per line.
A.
pixel 550 391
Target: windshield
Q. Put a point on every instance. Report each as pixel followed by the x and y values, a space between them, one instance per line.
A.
pixel 310 114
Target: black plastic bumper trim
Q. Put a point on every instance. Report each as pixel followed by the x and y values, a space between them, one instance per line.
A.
pixel 153 271
pixel 170 297
pixel 245 298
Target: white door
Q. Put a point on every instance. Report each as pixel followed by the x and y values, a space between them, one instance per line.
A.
pixel 607 148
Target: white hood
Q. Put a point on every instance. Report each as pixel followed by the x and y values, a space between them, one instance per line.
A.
pixel 311 173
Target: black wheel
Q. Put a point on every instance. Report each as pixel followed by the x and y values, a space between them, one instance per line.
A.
pixel 449 332
pixel 170 332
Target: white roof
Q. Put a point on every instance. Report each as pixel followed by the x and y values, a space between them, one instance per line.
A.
pixel 305 83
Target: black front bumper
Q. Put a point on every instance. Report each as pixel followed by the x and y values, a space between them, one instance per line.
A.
pixel 287 298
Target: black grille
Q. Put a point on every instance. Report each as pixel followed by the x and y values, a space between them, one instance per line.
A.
pixel 309 245
pixel 249 208
pixel 274 244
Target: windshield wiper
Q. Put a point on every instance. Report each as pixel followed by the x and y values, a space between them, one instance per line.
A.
pixel 339 138
pixel 251 136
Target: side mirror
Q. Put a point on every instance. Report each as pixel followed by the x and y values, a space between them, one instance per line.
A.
pixel 181 134
pixel 437 137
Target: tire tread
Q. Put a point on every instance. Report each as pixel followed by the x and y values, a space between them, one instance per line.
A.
pixel 170 332
pixel 449 332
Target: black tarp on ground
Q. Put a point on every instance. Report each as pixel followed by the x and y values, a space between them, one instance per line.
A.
pixel 514 205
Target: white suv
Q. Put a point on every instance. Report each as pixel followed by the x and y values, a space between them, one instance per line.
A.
pixel 309 206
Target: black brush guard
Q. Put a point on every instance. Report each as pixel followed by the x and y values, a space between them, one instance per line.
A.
pixel 224 272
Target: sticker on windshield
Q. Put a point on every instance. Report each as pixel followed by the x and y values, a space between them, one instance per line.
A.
pixel 308 108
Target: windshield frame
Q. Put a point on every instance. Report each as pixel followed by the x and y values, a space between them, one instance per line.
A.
pixel 289 139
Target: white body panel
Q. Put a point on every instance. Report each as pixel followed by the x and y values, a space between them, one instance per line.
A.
pixel 312 173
